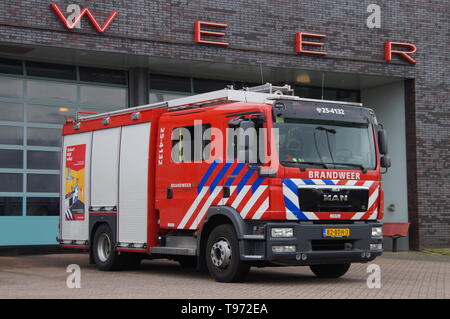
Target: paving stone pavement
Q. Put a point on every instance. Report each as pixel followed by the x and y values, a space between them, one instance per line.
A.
pixel 44 276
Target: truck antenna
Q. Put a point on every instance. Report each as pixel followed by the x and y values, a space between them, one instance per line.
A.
pixel 323 82
pixel 261 71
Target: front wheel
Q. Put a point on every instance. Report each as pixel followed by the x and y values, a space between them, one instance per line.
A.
pixel 329 271
pixel 223 257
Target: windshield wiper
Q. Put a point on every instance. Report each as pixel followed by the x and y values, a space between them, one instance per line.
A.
pixel 351 164
pixel 329 130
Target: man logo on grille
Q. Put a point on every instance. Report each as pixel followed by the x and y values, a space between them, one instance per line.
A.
pixel 335 198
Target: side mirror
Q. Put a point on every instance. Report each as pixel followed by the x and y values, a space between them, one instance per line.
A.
pixel 385 161
pixel 234 123
pixel 382 142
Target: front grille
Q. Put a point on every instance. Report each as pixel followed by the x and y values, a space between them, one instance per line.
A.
pixel 329 244
pixel 327 200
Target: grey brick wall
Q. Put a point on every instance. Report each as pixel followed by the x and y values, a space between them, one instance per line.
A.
pixel 262 32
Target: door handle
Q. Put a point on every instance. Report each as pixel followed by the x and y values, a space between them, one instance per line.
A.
pixel 226 191
pixel 169 193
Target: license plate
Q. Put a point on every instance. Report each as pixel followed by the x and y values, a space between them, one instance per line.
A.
pixel 336 232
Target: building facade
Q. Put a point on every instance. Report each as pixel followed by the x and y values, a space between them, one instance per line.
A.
pixel 57 58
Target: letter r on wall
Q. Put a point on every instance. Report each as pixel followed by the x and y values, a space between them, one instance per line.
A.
pixel 388 51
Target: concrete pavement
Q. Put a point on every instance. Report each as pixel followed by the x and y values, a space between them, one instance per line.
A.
pixel 44 276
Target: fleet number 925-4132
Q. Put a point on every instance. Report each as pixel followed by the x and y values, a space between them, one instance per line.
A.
pixel 326 110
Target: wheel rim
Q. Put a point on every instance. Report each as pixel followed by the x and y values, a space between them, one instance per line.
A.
pixel 104 247
pixel 221 253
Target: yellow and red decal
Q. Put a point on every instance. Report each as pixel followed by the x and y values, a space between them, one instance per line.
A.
pixel 74 182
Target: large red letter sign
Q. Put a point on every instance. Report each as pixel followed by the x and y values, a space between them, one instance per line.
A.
pixel 404 54
pixel 198 32
pixel 86 11
pixel 299 42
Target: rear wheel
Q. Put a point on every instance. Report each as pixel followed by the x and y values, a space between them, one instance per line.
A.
pixel 329 271
pixel 104 251
pixel 223 257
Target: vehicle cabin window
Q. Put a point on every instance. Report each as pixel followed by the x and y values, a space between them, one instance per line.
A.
pixel 191 143
pixel 258 148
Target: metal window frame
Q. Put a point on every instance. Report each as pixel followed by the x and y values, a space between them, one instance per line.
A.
pixel 25 101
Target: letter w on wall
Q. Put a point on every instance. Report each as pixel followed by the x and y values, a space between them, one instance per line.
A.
pixel 85 11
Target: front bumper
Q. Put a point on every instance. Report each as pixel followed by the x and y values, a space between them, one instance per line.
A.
pixel 312 248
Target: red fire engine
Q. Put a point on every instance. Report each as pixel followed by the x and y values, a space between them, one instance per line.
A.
pixel 225 181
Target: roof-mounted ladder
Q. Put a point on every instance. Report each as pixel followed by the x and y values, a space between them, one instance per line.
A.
pixel 259 94
pixel 264 94
pixel 271 89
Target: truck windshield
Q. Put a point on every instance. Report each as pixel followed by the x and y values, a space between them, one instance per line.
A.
pixel 326 144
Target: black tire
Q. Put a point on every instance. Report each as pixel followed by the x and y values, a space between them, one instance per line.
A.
pixel 329 271
pixel 188 262
pixel 103 259
pixel 226 248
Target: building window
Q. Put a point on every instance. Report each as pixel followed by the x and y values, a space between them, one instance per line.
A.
pixel 51 91
pixel 156 97
pixel 11 158
pixel 38 136
pixel 107 96
pixel 34 104
pixel 11 112
pixel 11 66
pixel 10 87
pixel 205 85
pixel 42 183
pixel 43 160
pixel 10 206
pixel 313 92
pixel 11 183
pixel 170 83
pixel 11 135
pixel 49 70
pixel 42 206
pixel 166 88
pixel 52 114
pixel 103 76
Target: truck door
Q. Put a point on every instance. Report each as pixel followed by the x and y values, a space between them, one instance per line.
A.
pixel 244 189
pixel 183 166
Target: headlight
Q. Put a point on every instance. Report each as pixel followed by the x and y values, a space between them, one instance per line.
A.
pixel 284 249
pixel 376 246
pixel 282 232
pixel 377 232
